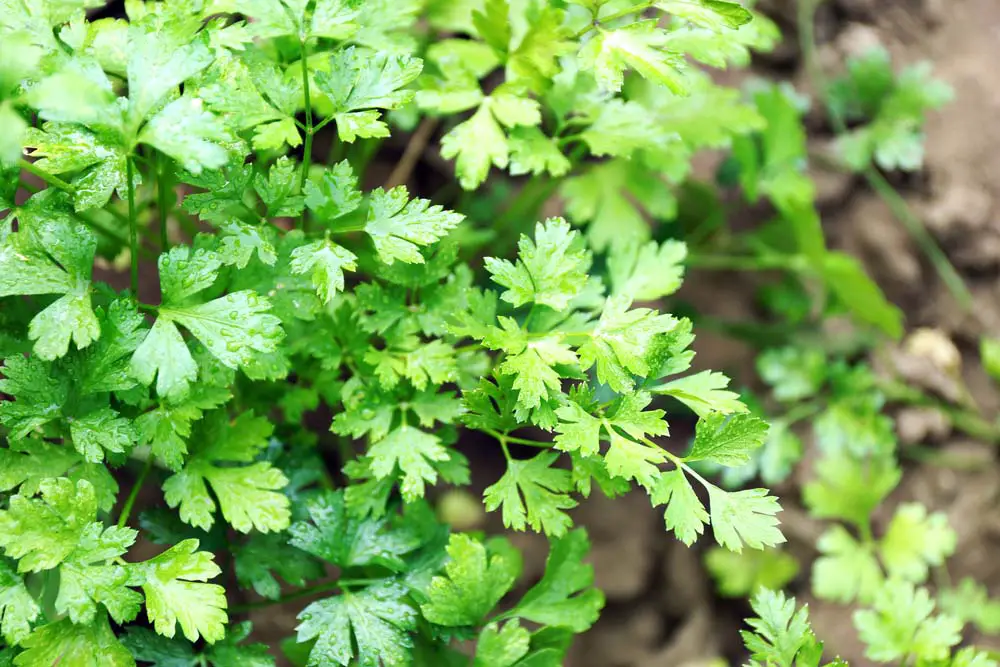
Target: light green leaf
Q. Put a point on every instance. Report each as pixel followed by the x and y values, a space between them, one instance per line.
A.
pixel 915 541
pixel 414 452
pixel 17 606
pixel 533 493
pixel 705 393
pixel 744 518
pixel 619 344
pixel 847 570
pixel 472 585
pixel 325 262
pixel 639 46
pixel 100 431
pixel 164 355
pixel 359 83
pixel 503 646
pixel 399 226
pixel 685 515
pixel 67 644
pixel 644 272
pixel 175 593
pixel 550 271
pixel 727 440
pixel 249 496
pixel 377 620
pixel 564 598
pixel 189 134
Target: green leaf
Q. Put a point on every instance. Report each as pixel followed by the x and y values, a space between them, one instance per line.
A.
pixel 67 644
pixel 325 262
pixel 147 646
pixel 744 518
pixel 644 272
pixel 480 141
pixel 265 555
pixel 705 393
pixel 164 355
pixel 414 452
pixel 740 575
pixel 473 583
pixel 42 532
pixel 915 541
pixel 780 632
pixel 399 226
pixel 52 255
pixel 156 67
pixel 847 570
pixel 620 342
pixel 240 240
pixel 249 496
pixel 336 194
pixel 371 625
pixel 100 431
pixel 12 140
pixel 639 46
pixel 862 297
pixel 685 514
pixel 503 646
pixel 901 623
pixel 17 606
pixel 564 598
pixel 87 579
pixel 989 352
pixel 531 152
pixel 727 440
pixel 175 593
pixel 533 493
pixel 550 271
pixel 347 540
pixel 358 83
pixel 189 134
pixel 848 489
pixel 715 14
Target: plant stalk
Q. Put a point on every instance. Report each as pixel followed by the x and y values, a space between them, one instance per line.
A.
pixel 133 237
pixel 310 131
pixel 134 493
pixel 162 195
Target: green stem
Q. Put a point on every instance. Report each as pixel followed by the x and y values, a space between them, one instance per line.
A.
pixel 301 593
pixel 504 439
pixel 134 493
pixel 952 280
pixel 611 17
pixel 54 181
pixel 133 239
pixel 806 18
pixel 310 131
pixel 162 195
pixel 795 263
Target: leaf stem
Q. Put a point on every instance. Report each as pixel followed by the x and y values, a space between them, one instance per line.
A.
pixel 504 438
pixel 54 181
pixel 806 19
pixel 133 239
pixel 162 195
pixel 794 263
pixel 310 131
pixel 611 17
pixel 301 593
pixel 134 493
